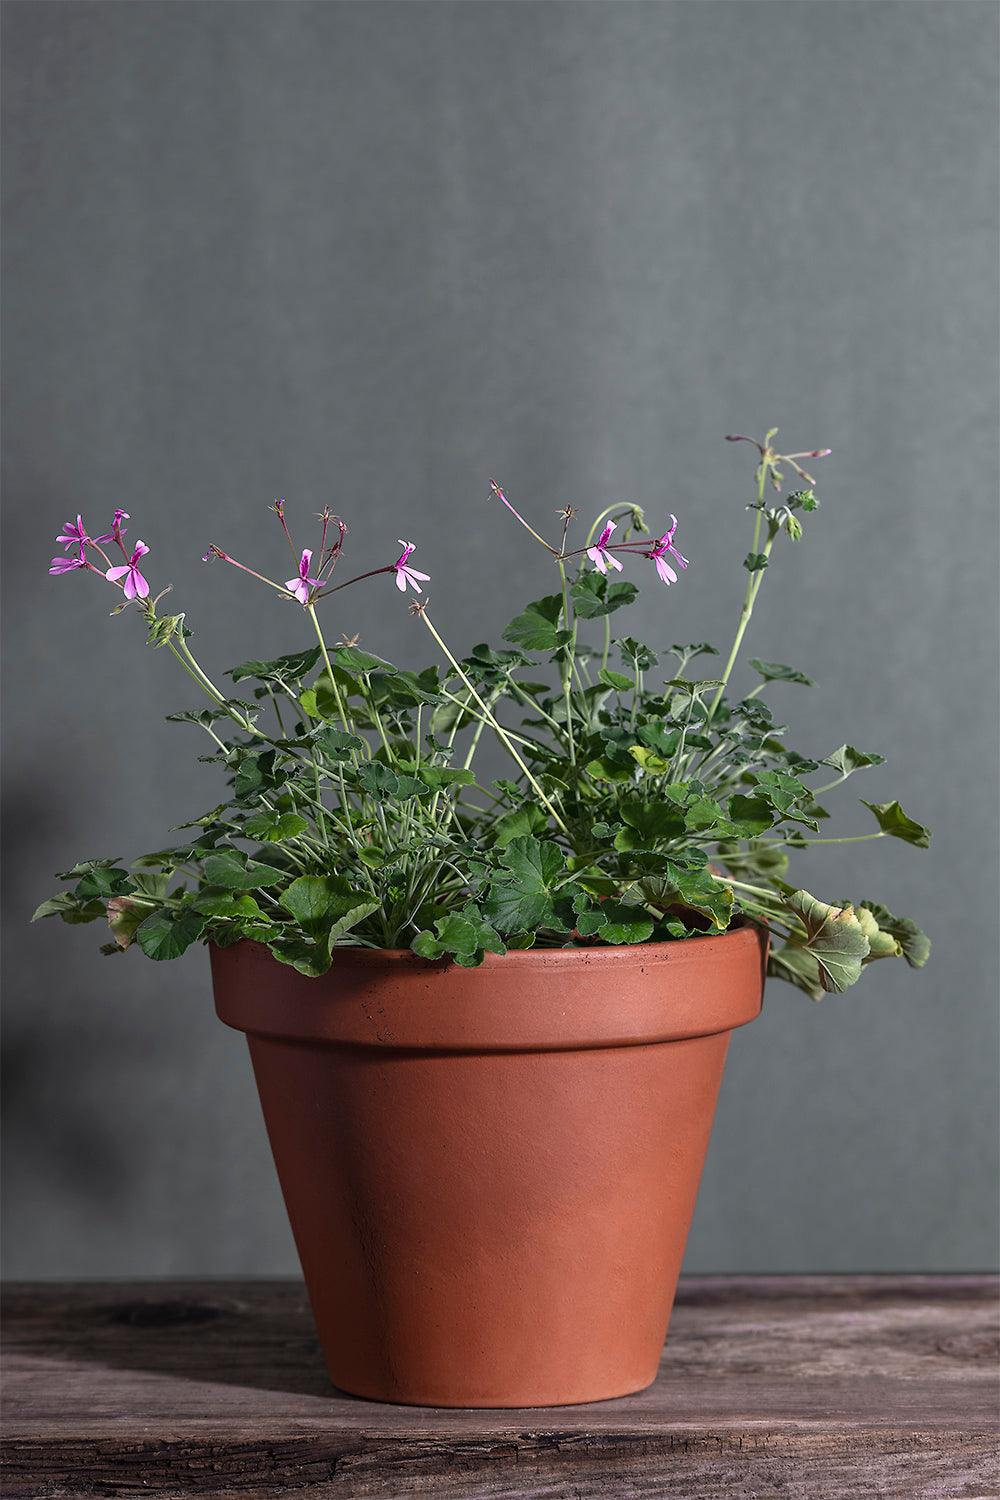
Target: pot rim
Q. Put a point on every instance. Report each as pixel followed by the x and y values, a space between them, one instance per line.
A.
pixel 546 1000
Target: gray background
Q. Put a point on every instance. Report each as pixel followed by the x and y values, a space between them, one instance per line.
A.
pixel 375 254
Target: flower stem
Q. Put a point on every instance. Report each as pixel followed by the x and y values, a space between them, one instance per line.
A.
pixel 752 588
pixel 497 727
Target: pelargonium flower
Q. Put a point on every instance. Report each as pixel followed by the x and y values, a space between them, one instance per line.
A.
pixel 303 585
pixel 599 554
pixel 117 529
pixel 68 564
pixel 74 534
pixel 134 585
pixel 658 554
pixel 404 573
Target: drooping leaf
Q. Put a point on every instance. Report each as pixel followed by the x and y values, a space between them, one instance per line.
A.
pixel 914 943
pixel 835 938
pixel 894 821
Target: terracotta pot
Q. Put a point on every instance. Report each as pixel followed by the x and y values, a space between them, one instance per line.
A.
pixel 490 1173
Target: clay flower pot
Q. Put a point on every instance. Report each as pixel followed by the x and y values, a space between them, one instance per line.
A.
pixel 490 1173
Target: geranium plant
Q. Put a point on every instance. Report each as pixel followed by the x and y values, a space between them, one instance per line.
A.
pixel 644 803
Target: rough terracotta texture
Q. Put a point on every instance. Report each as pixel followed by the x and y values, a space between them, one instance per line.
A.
pixel 490 1173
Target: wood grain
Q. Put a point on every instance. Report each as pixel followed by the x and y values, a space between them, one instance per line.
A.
pixel 804 1388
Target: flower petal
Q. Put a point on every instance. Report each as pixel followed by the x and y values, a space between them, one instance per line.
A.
pixel 114 574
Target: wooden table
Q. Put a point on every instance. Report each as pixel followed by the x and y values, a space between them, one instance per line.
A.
pixel 807 1388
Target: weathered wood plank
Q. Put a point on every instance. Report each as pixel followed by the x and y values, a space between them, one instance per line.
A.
pixel 798 1387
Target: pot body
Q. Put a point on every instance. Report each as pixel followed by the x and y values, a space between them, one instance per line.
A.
pixel 490 1173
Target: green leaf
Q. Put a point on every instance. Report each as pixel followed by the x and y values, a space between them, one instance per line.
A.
pixel 522 821
pixel 350 918
pixel 383 782
pixel 594 595
pixel 436 778
pixel 68 906
pixel 464 936
pixel 357 663
pixel 753 815
pixel 894 821
pixel 846 759
pixel 776 671
pixel 254 774
pixel 780 789
pixel 337 745
pixel 835 938
pixel 615 922
pixel 101 882
pixel 274 828
pixel 693 649
pixel 237 873
pixel 638 654
pixel 616 680
pixel 755 562
pixel 314 900
pixel 534 863
pixel 914 944
pixel 520 896
pixel 659 737
pixel 536 629
pixel 602 768
pixel 222 903
pixel 168 934
pixel 311 959
pixel 284 669
pixel 649 823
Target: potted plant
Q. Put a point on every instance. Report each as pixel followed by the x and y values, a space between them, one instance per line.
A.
pixel 489 1023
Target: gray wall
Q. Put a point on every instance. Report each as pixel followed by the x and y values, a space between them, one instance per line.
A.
pixel 375 254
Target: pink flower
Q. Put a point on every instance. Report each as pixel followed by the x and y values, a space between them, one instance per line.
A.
pixel 599 554
pixel 405 574
pixel 117 529
pixel 303 586
pixel 134 586
pixel 68 564
pixel 658 553
pixel 74 534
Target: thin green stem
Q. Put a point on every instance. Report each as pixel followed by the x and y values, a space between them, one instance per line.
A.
pixel 497 727
pixel 749 595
